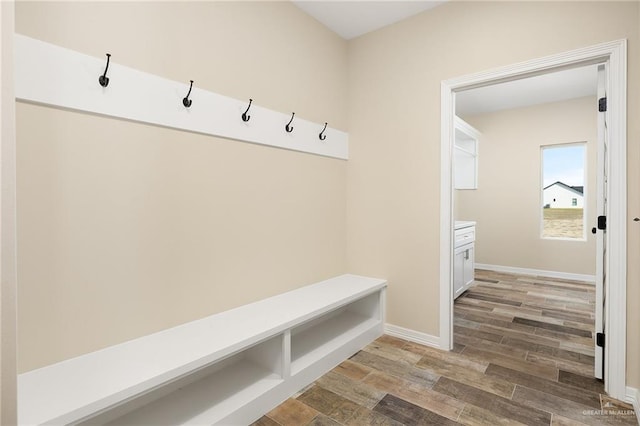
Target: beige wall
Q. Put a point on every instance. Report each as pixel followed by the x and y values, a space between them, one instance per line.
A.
pixel 126 228
pixel 507 203
pixel 394 126
pixel 285 61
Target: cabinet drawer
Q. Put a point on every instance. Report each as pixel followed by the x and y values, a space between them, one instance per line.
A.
pixel 464 236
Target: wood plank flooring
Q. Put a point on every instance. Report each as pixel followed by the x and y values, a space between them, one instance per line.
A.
pixel 523 355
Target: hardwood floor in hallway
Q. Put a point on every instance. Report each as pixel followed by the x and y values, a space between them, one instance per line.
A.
pixel 523 354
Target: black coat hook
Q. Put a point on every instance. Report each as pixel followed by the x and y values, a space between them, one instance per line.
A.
pixel 186 101
pixel 245 116
pixel 321 136
pixel 289 128
pixel 103 79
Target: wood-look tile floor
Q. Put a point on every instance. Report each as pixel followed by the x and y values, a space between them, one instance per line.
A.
pixel 523 355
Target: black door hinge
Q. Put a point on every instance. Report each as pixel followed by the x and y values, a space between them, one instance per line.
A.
pixel 600 339
pixel 602 222
pixel 602 104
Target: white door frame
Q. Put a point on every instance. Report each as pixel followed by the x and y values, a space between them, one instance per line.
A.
pixel 615 53
pixel 8 286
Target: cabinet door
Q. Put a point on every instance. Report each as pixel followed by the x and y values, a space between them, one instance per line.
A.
pixel 458 272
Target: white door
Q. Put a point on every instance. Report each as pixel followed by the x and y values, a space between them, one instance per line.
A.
pixel 601 234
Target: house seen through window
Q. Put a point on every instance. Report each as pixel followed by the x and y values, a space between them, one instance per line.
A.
pixel 563 195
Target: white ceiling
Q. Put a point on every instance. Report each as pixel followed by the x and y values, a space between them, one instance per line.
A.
pixel 553 87
pixel 353 18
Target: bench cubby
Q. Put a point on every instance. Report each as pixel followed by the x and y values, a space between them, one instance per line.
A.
pixel 312 341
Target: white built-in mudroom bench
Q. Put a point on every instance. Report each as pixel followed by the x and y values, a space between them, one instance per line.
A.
pixel 229 368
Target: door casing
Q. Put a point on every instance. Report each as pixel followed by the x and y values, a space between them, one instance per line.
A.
pixel 601 209
pixel 615 53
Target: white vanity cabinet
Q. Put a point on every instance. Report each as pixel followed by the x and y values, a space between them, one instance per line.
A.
pixel 463 259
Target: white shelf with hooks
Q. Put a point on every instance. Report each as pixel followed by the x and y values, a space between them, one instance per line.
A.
pixel 53 75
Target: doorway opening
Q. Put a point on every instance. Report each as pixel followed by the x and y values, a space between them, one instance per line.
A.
pixel 614 55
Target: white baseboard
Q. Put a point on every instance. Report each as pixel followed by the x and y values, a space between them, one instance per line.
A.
pixel 633 397
pixel 412 335
pixel 537 272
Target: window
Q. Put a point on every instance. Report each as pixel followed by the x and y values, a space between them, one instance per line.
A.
pixel 563 195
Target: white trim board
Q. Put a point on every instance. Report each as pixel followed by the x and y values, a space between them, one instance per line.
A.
pixel 615 54
pixel 412 335
pixel 52 75
pixel 537 272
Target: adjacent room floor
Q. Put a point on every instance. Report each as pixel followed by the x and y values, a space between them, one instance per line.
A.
pixel 523 355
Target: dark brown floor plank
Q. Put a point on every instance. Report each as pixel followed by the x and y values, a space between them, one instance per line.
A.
pixel 581 396
pixel 581 382
pixel 546 371
pixel 503 407
pixel 492 299
pixel 329 403
pixel 352 370
pixel 408 413
pixel 486 345
pixel 475 315
pixel 493 337
pixel 498 321
pixel 369 417
pixel 533 338
pixel 565 337
pixel 433 356
pixel 560 364
pixel 553 327
pixel 457 347
pixel 469 305
pixel 352 390
pixel 566 408
pixel 393 353
pixel 486 280
pixel 476 416
pixel 265 421
pixel 477 379
pixel 322 420
pixel 416 394
pixel 584 318
pixel 417 375
pixel 292 412
pixel 554 352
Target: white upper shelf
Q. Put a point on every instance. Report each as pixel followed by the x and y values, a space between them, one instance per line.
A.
pixel 53 75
